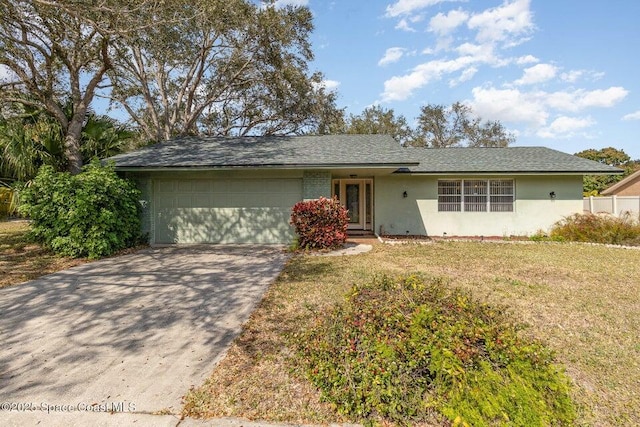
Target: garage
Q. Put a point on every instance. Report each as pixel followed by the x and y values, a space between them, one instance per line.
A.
pixel 224 210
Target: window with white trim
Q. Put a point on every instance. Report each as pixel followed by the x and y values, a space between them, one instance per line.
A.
pixel 476 195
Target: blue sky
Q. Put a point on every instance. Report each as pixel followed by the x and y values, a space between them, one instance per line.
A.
pixel 561 74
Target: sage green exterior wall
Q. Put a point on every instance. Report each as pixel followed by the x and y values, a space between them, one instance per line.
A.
pixel 254 206
pixel 417 214
pixel 223 206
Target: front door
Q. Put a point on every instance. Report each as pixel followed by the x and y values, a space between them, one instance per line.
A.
pixel 353 202
pixel 356 196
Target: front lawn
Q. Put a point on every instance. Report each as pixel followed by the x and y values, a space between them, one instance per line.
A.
pixel 582 300
pixel 22 260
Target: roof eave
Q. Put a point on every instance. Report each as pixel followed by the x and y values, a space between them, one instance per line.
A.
pixel 263 166
pixel 621 184
pixel 514 172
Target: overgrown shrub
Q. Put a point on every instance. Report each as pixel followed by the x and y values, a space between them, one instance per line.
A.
pixel 320 224
pixel 92 214
pixel 598 229
pixel 398 350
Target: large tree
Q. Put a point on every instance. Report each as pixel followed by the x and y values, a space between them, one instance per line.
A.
pixel 378 120
pixel 608 156
pixel 53 52
pixel 223 67
pixel 594 184
pixel 178 67
pixel 440 126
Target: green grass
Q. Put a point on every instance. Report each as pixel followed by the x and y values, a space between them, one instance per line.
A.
pixel 582 300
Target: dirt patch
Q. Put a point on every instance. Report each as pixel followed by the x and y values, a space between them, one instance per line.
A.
pixel 22 260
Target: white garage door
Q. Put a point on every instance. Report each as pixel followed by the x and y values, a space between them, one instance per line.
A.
pixel 224 210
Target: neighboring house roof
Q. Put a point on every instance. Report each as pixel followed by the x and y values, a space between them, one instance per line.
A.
pixel 270 151
pixel 351 151
pixel 631 179
pixel 503 160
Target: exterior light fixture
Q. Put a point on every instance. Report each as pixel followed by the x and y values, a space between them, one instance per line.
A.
pixel 404 194
pixel 552 195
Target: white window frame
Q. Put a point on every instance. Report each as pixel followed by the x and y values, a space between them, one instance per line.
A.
pixel 486 192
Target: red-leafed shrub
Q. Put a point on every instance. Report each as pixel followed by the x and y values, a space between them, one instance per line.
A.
pixel 320 224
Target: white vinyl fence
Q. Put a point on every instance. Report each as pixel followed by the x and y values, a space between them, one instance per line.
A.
pixel 615 205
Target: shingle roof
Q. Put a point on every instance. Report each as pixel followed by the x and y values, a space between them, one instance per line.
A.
pixel 351 151
pixel 503 160
pixel 269 151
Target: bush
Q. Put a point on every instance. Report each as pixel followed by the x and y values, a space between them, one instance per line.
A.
pixel 398 350
pixel 597 229
pixel 94 213
pixel 320 224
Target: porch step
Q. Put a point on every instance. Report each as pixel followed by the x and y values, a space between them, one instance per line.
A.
pixel 359 233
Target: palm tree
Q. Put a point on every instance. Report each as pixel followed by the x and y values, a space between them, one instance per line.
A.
pixel 28 141
pixel 104 137
pixel 32 138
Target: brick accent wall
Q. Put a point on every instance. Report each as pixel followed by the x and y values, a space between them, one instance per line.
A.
pixel 144 184
pixel 316 184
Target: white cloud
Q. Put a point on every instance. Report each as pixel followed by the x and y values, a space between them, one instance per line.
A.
pixel 283 3
pixel 509 105
pixel 404 26
pixel 527 59
pixel 565 127
pixel 406 7
pixel 444 24
pixel 405 23
pixel 492 29
pixel 465 76
pixel 331 84
pixel 632 116
pixel 399 88
pixel 393 54
pixel 572 76
pixel 327 84
pixel 575 75
pixel 537 74
pixel 581 99
pixel 534 108
pixel 508 23
pixel 483 53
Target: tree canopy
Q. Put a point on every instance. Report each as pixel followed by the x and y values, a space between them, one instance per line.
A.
pixel 455 126
pixel 56 52
pixel 437 126
pixel 223 67
pixel 378 120
pixel 594 184
pixel 608 156
pixel 180 67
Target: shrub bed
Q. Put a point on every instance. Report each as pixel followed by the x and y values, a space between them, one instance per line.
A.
pixel 320 224
pixel 92 214
pixel 598 229
pixel 401 349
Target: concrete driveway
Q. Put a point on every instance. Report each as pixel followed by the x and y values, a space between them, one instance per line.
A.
pixel 113 341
